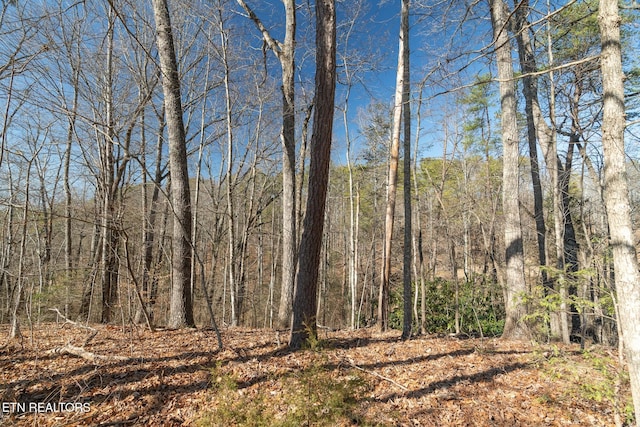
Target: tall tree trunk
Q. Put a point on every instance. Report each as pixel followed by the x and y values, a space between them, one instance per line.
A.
pixel 570 243
pixel 529 90
pixel 181 306
pixel 289 232
pixel 383 295
pixel 559 320
pixel 515 284
pixel 418 253
pixel 536 126
pixel 196 196
pixel 616 194
pixel 305 296
pixel 351 250
pixel 68 239
pixel 406 106
pixel 352 257
pixel 231 233
pixel 14 331
pixel 109 262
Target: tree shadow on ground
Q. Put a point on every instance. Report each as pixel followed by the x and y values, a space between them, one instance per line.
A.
pixel 478 377
pixel 149 384
pixel 98 384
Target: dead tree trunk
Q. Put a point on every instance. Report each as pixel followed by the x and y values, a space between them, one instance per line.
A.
pixel 392 183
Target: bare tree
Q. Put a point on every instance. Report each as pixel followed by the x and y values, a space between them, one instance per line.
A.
pixel 351 64
pixel 616 194
pixel 417 250
pixel 108 185
pixel 408 217
pixel 285 53
pixel 181 307
pixel 530 92
pixel 14 331
pixel 74 60
pixel 230 179
pixel 515 284
pixel 538 130
pixel 305 296
pixel 401 98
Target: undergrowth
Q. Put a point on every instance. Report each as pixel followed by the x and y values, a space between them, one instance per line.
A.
pixel 311 396
pixel 598 379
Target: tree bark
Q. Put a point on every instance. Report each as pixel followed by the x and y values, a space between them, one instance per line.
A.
pixel 392 183
pixel 530 92
pixel 181 306
pixel 289 232
pixel 68 238
pixel 515 284
pixel 538 129
pixel 109 263
pixel 231 230
pixel 305 295
pixel 407 250
pixel 616 194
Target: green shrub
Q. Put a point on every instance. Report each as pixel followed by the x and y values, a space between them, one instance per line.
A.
pixel 481 309
pixel 598 379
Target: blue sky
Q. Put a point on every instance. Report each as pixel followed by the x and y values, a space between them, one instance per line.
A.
pixel 377 37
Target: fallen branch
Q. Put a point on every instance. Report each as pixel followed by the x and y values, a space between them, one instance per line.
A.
pixel 375 374
pixel 87 355
pixel 93 331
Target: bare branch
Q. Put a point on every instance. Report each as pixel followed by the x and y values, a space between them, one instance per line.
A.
pixel 87 355
pixel 93 331
pixel 274 44
pixel 375 374
pixel 557 67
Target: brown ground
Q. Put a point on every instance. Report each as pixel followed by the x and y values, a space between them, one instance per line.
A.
pixel 174 378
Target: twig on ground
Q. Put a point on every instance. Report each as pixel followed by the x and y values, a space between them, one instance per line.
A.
pixel 93 331
pixel 87 355
pixel 375 374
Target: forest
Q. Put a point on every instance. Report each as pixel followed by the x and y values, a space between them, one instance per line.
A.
pixel 466 170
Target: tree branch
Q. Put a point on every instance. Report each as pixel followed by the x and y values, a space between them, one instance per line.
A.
pixel 274 44
pixel 375 374
pixel 87 355
pixel 93 331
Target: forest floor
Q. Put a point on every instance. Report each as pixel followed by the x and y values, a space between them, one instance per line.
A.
pixel 131 376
